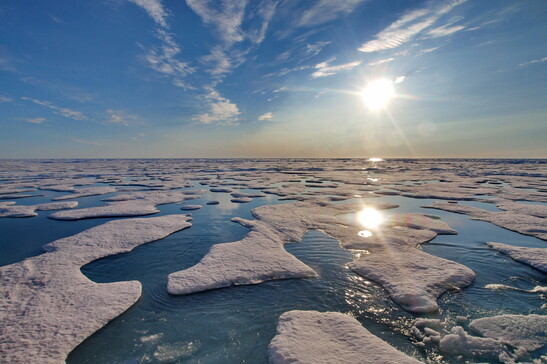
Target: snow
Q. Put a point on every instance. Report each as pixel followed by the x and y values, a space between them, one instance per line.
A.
pixel 329 337
pixel 11 210
pixel 190 207
pixel 519 331
pixel 135 204
pixel 241 199
pixel 535 257
pixel 86 191
pixel 515 221
pixel 48 307
pixel 413 278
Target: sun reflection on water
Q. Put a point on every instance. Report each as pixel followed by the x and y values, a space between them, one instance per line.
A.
pixel 370 218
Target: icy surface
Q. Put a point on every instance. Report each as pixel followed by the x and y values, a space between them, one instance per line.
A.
pixel 11 210
pixel 47 306
pixel 520 331
pixel 413 278
pixel 535 257
pixel 135 204
pixel 329 337
pixel 190 207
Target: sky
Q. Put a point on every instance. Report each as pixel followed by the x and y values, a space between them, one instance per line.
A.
pixel 273 78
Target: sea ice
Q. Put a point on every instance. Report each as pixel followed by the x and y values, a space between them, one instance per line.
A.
pixel 190 207
pixel 311 337
pixel 30 210
pixel 48 307
pixel 86 191
pixel 535 257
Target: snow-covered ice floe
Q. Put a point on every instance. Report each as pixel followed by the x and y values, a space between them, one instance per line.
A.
pixel 48 307
pixel 133 204
pixel 413 278
pixel 311 337
pixel 12 210
pixel 535 257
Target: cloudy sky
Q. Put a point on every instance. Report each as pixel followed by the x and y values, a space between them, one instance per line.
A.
pixel 272 78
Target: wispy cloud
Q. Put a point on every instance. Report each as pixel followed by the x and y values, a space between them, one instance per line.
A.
pixel 225 16
pixel 425 51
pixel 5 99
pixel 266 116
pixel 165 58
pixel 33 120
pixel 325 69
pixel 541 60
pixel 326 10
pixel 63 111
pixel 155 10
pixel 221 110
pixel 381 61
pixel 411 24
pixel 119 117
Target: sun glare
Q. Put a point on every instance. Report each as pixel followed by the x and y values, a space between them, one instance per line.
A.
pixel 377 94
pixel 370 218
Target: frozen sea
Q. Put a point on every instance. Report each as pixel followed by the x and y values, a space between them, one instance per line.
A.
pixel 236 324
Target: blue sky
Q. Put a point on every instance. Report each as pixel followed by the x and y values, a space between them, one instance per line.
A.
pixel 272 78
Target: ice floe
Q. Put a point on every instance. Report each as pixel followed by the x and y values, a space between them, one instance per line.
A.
pixel 535 257
pixel 190 207
pixel 311 337
pixel 12 210
pixel 48 307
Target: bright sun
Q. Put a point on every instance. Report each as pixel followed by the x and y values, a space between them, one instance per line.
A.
pixel 377 94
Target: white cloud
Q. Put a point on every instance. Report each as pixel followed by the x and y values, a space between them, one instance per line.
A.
pixel 425 51
pixel 408 26
pixel 155 10
pixel 544 59
pixel 119 117
pixel 63 111
pixel 444 31
pixel 325 69
pixel 314 49
pixel 381 61
pixel 164 60
pixel 266 116
pixel 226 16
pixel 327 10
pixel 33 120
pixel 5 99
pixel 221 110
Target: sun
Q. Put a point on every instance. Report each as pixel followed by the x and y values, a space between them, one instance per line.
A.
pixel 377 94
pixel 370 218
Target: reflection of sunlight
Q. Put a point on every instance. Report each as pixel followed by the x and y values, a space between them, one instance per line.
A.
pixel 370 218
pixel 377 94
pixel 375 159
pixel 364 234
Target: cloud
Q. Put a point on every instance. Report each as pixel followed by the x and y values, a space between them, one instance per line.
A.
pixel 326 10
pixel 33 120
pixel 5 99
pixel 425 51
pixel 380 61
pixel 155 10
pixel 221 110
pixel 225 16
pixel 410 25
pixel 314 49
pixel 544 59
pixel 266 116
pixel 444 31
pixel 119 117
pixel 163 59
pixel 325 69
pixel 63 111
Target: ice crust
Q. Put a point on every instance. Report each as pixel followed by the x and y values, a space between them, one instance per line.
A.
pixel 135 204
pixel 413 278
pixel 535 257
pixel 11 210
pixel 311 337
pixel 519 331
pixel 48 307
pixel 515 221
